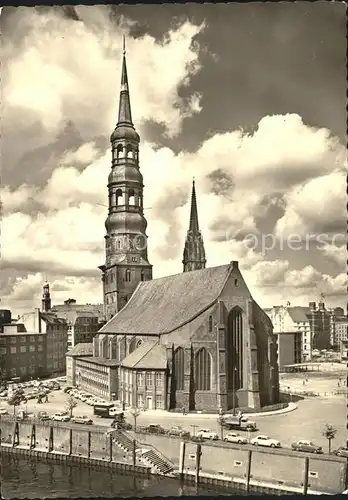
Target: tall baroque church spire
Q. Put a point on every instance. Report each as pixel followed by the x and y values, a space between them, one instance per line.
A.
pixel 194 253
pixel 126 260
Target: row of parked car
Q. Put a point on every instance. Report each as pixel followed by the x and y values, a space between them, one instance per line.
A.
pixel 233 437
pixel 84 396
pixel 64 417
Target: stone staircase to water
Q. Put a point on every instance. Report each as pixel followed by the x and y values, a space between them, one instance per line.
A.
pixel 152 458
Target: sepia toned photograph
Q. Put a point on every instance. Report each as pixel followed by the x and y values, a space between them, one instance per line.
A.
pixel 173 316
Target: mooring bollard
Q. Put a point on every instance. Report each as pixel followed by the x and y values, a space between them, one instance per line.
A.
pixel 305 476
pixel 198 462
pixel 182 458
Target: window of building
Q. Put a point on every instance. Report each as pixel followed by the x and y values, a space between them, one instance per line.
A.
pixel 235 282
pixel 179 368
pixel 127 275
pixel 210 324
pixel 13 350
pixel 140 400
pixel 148 379
pixel 32 348
pixel 158 379
pixel 23 348
pixel 40 347
pixel 23 370
pixel 142 276
pixel 3 350
pixel 140 379
pixel 13 340
pixel 13 372
pixel 159 401
pixel 203 370
pixel 23 339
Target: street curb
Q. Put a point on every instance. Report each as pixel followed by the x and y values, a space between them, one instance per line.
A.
pixel 167 414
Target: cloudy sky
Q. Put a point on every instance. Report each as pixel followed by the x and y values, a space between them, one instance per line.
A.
pixel 247 98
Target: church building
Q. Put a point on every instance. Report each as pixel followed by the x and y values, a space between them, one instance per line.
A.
pixel 196 339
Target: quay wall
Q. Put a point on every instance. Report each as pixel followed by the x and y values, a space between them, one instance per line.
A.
pixel 281 468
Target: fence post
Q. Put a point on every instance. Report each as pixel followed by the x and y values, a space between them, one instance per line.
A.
pixel 50 439
pixel 134 450
pixel 305 475
pixel 248 475
pixel 110 447
pixel 15 441
pixel 70 441
pixel 33 437
pixel 89 445
pixel 198 462
pixel 182 458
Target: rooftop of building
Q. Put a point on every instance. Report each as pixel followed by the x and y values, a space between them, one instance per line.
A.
pixel 149 355
pixel 299 314
pixel 82 349
pixel 101 361
pixel 164 304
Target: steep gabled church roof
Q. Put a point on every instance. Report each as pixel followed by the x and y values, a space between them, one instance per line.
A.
pixel 150 354
pixel 164 304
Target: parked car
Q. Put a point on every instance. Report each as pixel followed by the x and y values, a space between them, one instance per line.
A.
pixel 43 416
pixel 4 412
pixel 207 434
pixel 263 440
pixel 61 417
pixel 341 452
pixel 67 389
pixel 233 437
pixel 307 446
pixel 176 430
pixel 82 420
pixel 154 429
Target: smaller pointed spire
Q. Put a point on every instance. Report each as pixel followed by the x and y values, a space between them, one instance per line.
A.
pixel 124 112
pixel 194 253
pixel 194 226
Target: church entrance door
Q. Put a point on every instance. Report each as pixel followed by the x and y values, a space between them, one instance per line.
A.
pixel 149 402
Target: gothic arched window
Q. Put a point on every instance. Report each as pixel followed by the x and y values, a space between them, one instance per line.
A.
pixel 131 197
pixel 128 275
pixel 119 197
pixel 113 345
pixel 179 369
pixel 203 370
pixel 129 150
pixel 132 345
pixel 234 344
pixel 119 151
pixel 210 326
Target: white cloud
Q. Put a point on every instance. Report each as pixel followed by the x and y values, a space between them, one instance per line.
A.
pixel 66 68
pixel 313 206
pixel 62 69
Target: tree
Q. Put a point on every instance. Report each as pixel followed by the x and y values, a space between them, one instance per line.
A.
pixel 15 400
pixel 329 432
pixel 70 404
pixel 135 412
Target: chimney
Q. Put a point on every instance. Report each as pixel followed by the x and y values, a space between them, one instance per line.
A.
pixel 321 306
pixel 312 306
pixel 234 264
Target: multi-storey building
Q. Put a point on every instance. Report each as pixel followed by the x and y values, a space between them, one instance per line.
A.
pixel 339 327
pixel 23 353
pixel 312 323
pixel 56 332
